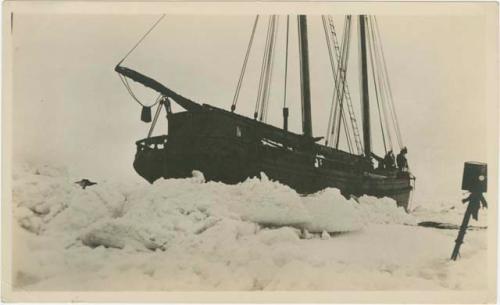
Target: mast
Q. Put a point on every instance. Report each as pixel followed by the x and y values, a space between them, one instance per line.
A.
pixel 304 77
pixel 365 102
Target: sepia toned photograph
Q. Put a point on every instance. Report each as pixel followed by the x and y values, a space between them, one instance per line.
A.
pixel 250 152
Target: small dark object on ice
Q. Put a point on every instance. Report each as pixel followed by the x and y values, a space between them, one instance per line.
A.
pixel 447 226
pixel 85 182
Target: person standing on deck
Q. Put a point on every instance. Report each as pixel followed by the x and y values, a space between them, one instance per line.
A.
pixel 389 161
pixel 401 160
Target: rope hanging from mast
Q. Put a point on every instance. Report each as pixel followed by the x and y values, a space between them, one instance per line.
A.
pixel 242 74
pixel 343 78
pixel 142 39
pixel 339 115
pixel 262 69
pixel 338 84
pixel 146 109
pixel 341 106
pixel 341 95
pixel 129 89
pixel 338 120
pixel 266 71
pixel 269 72
pixel 348 100
pixel 383 92
pixel 386 77
pixel 332 63
pixel 377 85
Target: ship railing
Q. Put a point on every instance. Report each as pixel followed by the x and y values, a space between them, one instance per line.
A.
pixel 152 143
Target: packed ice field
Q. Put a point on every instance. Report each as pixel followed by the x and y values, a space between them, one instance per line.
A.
pixel 188 234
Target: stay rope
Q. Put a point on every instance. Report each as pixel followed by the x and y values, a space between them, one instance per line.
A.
pixel 266 71
pixel 376 85
pixel 337 116
pixel 386 74
pixel 269 74
pixel 142 38
pixel 343 70
pixel 243 69
pixel 332 63
pixel 263 69
pixel 338 82
pixel 124 79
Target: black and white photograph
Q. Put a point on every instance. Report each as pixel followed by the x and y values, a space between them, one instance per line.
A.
pixel 347 151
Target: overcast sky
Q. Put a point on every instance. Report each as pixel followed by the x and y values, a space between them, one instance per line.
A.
pixel 70 107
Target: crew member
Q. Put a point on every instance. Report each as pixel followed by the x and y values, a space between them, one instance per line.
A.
pixel 389 161
pixel 401 159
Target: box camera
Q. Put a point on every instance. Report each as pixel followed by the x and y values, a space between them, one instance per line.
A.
pixel 475 178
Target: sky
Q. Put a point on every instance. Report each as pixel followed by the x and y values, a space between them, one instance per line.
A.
pixel 70 108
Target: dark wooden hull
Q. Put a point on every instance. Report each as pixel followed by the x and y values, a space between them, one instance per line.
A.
pixel 230 148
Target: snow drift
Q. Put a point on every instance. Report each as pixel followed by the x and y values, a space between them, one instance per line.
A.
pixel 181 233
pixel 115 215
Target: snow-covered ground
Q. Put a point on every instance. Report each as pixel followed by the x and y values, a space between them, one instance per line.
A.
pixel 184 234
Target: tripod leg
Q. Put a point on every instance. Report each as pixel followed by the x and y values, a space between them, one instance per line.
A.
pixel 461 232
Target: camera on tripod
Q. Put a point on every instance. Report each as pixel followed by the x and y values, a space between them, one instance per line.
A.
pixel 474 180
pixel 475 177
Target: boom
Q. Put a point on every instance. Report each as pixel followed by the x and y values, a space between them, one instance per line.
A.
pixel 185 103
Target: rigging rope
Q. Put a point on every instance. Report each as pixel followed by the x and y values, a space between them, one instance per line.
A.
pixel 124 79
pixel 339 79
pixel 381 83
pixel 266 70
pixel 338 82
pixel 348 128
pixel 269 70
pixel 337 94
pixel 240 80
pixel 391 99
pixel 344 90
pixel 347 135
pixel 340 86
pixel 129 89
pixel 262 71
pixel 332 63
pixel 348 100
pixel 343 70
pixel 377 95
pixel 142 38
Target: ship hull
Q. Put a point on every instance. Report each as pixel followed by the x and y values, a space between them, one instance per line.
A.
pixel 229 148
